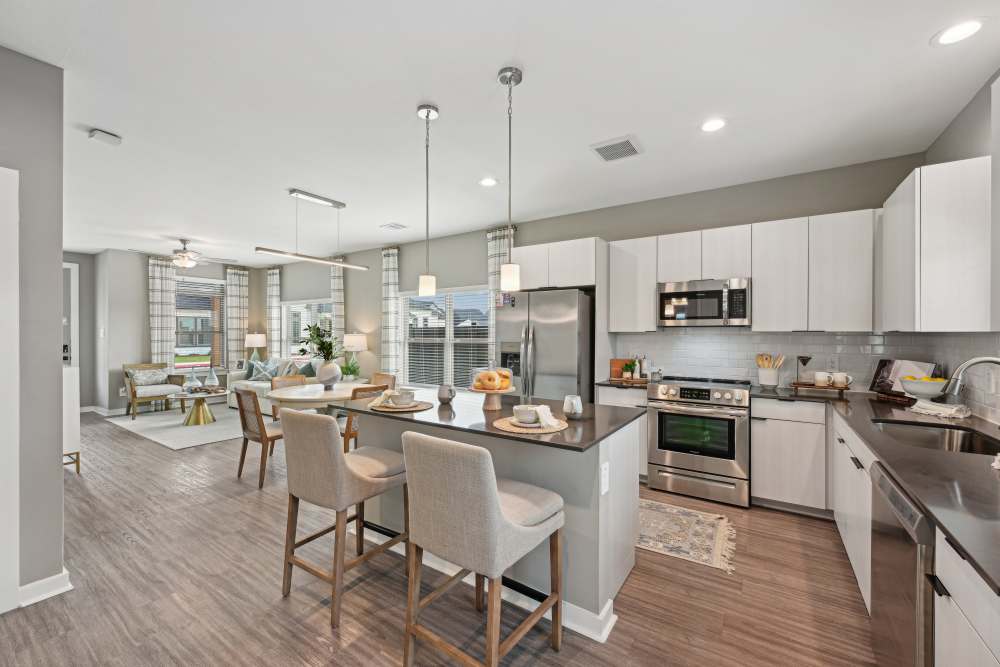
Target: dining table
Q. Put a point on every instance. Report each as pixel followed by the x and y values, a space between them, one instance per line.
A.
pixel 316 396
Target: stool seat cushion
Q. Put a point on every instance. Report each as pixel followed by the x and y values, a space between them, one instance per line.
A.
pixel 375 462
pixel 526 504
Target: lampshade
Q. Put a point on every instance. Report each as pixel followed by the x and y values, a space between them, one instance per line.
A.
pixel 510 277
pixel 255 340
pixel 355 342
pixel 427 285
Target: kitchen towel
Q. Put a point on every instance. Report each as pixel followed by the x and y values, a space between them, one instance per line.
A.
pixel 545 416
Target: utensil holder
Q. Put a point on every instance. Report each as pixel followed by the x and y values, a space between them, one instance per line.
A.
pixel 767 377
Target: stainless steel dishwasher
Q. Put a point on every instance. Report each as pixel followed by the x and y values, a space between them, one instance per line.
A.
pixel 902 606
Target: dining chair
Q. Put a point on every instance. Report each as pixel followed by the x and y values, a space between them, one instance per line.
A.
pixel 384 378
pixel 284 381
pixel 350 425
pixel 461 512
pixel 255 429
pixel 320 473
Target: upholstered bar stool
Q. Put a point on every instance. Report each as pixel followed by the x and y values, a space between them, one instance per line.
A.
pixel 319 472
pixel 461 512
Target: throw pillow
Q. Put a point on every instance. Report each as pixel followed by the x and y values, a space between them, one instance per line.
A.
pixel 147 377
pixel 308 369
pixel 263 371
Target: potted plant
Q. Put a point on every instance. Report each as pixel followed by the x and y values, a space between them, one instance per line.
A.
pixel 325 346
pixel 628 368
pixel 351 370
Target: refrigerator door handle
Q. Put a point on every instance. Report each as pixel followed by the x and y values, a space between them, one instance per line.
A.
pixel 524 361
pixel 531 361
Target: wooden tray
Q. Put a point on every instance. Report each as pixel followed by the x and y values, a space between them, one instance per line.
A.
pixel 419 406
pixel 504 424
pixel 632 382
pixel 809 385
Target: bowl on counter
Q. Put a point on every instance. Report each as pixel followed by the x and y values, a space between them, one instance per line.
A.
pixel 926 389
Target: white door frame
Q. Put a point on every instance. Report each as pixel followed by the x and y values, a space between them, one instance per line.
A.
pixel 10 388
pixel 74 312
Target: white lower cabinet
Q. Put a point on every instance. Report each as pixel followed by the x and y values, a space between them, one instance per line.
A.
pixel 967 613
pixel 629 398
pixel 852 504
pixel 956 642
pixel 787 458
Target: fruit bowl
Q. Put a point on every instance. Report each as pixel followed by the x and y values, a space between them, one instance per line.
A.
pixel 493 382
pixel 925 388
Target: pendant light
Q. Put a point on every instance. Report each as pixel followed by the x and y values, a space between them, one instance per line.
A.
pixel 427 283
pixel 510 273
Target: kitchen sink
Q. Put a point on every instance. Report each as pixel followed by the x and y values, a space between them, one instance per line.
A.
pixel 943 438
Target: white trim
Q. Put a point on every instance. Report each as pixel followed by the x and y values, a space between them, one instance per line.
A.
pixel 10 394
pixel 449 290
pixel 43 589
pixel 306 302
pixel 74 312
pixel 104 412
pixel 592 626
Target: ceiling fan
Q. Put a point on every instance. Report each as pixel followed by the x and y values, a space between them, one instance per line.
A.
pixel 185 258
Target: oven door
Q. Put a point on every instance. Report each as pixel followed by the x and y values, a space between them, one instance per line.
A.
pixel 700 438
pixel 692 305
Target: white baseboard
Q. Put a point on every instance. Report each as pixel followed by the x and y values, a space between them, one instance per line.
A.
pixel 593 626
pixel 104 412
pixel 42 589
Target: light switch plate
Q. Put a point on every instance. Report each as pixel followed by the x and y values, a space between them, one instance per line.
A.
pixel 605 477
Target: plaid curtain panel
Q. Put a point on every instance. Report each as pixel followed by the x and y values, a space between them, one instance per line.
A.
pixel 498 244
pixel 162 310
pixel 337 299
pixel 389 348
pixel 237 312
pixel 274 341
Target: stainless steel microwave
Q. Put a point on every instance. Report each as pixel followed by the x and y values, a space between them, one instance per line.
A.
pixel 704 303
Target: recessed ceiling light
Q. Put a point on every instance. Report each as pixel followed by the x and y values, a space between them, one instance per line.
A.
pixel 957 32
pixel 488 182
pixel 713 125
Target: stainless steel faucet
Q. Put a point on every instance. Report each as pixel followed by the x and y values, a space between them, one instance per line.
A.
pixel 955 383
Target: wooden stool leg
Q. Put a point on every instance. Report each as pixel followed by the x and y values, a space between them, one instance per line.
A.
pixel 480 581
pixel 290 528
pixel 555 573
pixel 414 557
pixel 183 406
pixel 359 528
pixel 78 463
pixel 243 457
pixel 339 547
pixel 264 444
pixel 493 624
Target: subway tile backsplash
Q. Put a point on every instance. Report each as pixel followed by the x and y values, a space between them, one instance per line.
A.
pixel 731 353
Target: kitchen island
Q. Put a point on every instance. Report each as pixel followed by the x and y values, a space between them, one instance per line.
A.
pixel 592 465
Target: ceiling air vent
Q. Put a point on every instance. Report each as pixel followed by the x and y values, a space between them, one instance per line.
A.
pixel 394 226
pixel 616 149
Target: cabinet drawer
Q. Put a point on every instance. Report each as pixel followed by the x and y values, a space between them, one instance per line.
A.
pixel 629 398
pixel 978 602
pixel 956 642
pixel 793 411
pixel 857 446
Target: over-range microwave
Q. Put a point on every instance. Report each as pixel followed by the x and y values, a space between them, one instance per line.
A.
pixel 704 303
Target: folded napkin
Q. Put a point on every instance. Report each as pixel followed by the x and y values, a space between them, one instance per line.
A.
pixel 545 417
pixel 941 410
pixel 381 398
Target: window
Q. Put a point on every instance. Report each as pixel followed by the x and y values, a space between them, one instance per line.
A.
pixel 296 316
pixel 201 329
pixel 444 336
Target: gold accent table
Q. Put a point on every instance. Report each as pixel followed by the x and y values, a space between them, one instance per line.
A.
pixel 200 413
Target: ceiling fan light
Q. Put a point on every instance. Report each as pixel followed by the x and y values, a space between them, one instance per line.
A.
pixel 426 285
pixel 184 262
pixel 510 277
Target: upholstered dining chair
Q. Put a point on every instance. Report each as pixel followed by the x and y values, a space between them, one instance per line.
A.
pixel 255 429
pixel 285 381
pixel 350 424
pixel 461 512
pixel 384 378
pixel 320 473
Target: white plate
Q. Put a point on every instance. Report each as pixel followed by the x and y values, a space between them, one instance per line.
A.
pixel 522 425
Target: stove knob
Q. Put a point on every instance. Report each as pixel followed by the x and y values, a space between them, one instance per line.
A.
pixel 716 395
pixel 671 392
pixel 737 395
pixel 727 396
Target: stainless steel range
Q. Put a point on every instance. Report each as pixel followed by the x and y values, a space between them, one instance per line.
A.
pixel 699 438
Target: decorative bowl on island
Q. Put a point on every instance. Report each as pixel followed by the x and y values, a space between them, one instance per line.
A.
pixel 925 387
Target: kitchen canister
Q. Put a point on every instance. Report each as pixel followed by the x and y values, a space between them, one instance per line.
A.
pixel 767 377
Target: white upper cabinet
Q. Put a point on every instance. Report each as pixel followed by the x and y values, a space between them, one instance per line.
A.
pixel 632 279
pixel 935 272
pixel 571 263
pixel 840 271
pixel 534 263
pixel 725 252
pixel 678 257
pixel 780 288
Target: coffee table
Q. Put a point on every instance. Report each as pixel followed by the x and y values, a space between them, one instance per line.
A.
pixel 200 413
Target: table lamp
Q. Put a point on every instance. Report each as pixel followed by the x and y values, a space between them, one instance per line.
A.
pixel 354 343
pixel 255 341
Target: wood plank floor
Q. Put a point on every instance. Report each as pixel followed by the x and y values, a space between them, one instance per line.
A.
pixel 175 561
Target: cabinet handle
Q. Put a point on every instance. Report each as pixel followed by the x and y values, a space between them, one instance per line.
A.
pixel 841 440
pixel 938 587
pixel 857 463
pixel 760 419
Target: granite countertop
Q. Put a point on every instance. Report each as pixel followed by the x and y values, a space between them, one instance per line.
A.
pixel 620 385
pixel 465 413
pixel 789 394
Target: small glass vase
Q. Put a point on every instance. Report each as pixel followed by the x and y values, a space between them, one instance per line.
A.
pixel 212 380
pixel 192 382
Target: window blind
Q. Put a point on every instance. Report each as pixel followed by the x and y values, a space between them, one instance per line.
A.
pixel 201 328
pixel 444 337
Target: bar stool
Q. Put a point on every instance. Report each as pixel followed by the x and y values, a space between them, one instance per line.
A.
pixel 320 473
pixel 461 512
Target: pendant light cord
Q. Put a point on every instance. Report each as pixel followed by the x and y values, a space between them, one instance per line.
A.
pixel 296 224
pixel 427 196
pixel 510 159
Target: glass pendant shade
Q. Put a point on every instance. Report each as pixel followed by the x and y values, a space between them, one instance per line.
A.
pixel 510 277
pixel 427 285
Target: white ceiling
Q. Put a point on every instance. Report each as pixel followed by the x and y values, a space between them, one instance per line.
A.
pixel 224 105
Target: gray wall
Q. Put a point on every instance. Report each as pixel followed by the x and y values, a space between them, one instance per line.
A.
pixel 87 354
pixel 969 133
pixel 122 314
pixel 31 141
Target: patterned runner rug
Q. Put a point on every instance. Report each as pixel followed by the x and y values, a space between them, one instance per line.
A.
pixel 700 537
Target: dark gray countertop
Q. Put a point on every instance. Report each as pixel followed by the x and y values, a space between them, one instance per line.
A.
pixel 465 413
pixel 619 385
pixel 789 394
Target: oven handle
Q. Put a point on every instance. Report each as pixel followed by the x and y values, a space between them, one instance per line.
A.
pixel 702 480
pixel 733 414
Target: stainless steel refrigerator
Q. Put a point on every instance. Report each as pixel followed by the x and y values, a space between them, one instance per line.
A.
pixel 546 339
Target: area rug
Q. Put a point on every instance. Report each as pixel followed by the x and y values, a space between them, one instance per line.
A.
pixel 699 537
pixel 167 427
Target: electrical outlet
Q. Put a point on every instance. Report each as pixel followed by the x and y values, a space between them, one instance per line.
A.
pixel 121 391
pixel 605 477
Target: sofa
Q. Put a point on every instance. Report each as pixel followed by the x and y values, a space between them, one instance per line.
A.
pixel 238 380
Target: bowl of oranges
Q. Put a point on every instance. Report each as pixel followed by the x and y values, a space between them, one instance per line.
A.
pixel 923 387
